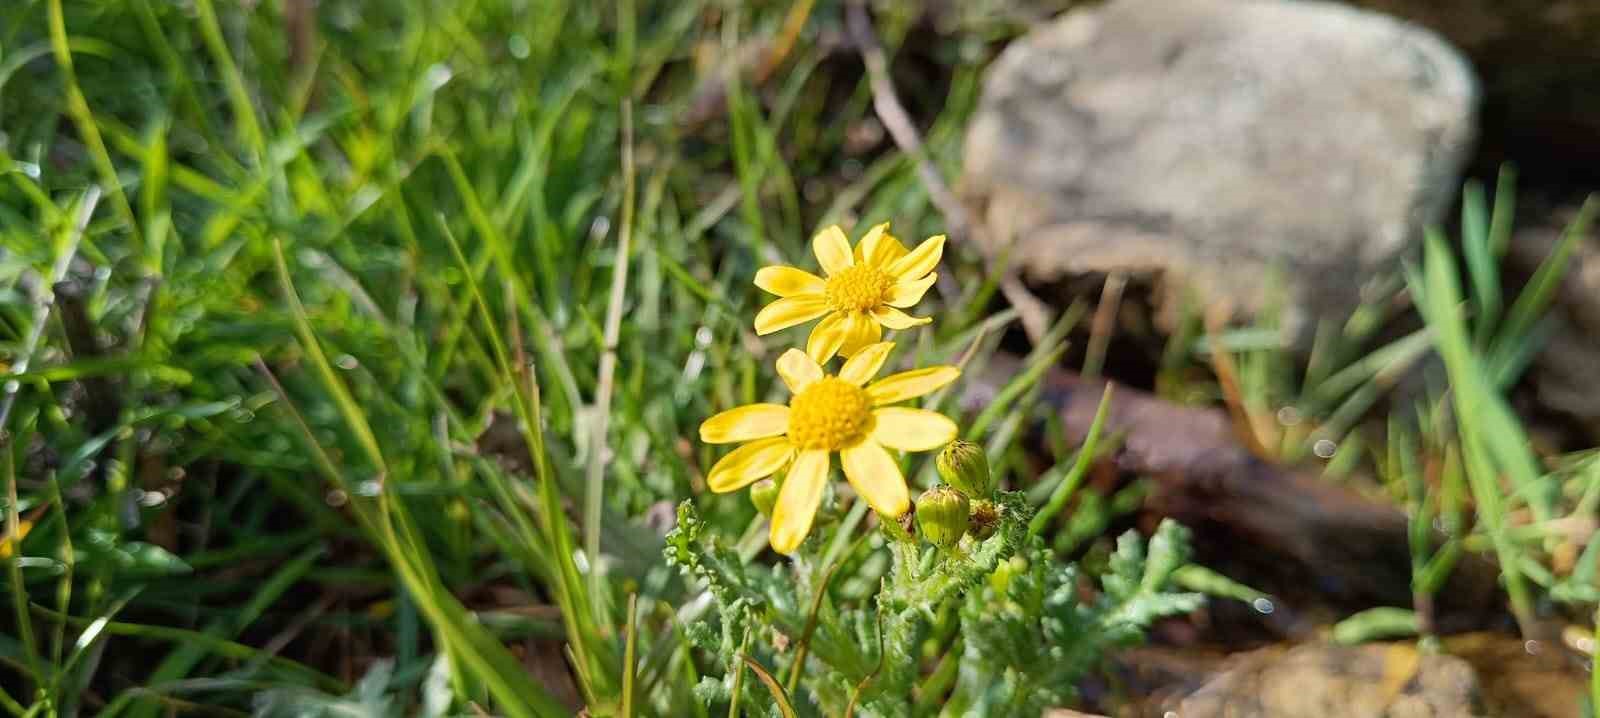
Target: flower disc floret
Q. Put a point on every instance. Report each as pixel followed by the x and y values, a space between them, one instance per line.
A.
pixel 857 288
pixel 830 414
pixel 849 415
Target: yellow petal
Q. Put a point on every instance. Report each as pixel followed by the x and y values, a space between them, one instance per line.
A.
pixel 833 250
pixel 872 235
pixel 826 338
pixel 910 384
pixel 749 463
pixel 920 261
pixel 798 370
pixel 896 319
pixel 788 281
pixel 752 421
pixel 908 293
pixel 866 363
pixel 789 311
pixel 879 248
pixel 876 478
pixel 798 499
pixel 907 429
pixel 859 331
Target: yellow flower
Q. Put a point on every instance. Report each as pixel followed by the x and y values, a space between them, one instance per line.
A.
pixel 9 543
pixel 864 292
pixel 830 414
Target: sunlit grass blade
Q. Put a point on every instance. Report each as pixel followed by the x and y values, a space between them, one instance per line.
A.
pixel 83 119
pixel 628 666
pixel 1080 468
pixel 1541 289
pixel 1481 263
pixel 1492 440
pixel 484 658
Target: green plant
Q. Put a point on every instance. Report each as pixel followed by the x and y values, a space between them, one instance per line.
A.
pixel 1482 356
pixel 854 634
pixel 1462 463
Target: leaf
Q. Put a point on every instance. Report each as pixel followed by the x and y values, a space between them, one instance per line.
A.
pixel 1195 577
pixel 1169 550
pixel 102 549
pixel 1375 623
pixel 147 557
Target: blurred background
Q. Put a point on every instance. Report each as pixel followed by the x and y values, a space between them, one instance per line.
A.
pixel 292 290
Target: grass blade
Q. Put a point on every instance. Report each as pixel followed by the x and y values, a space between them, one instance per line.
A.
pixel 1080 468
pixel 628 667
pixel 785 708
pixel 1480 259
pixel 1541 289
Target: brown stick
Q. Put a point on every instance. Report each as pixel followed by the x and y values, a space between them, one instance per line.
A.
pixel 1284 525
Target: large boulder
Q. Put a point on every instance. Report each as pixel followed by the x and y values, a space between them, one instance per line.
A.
pixel 1229 146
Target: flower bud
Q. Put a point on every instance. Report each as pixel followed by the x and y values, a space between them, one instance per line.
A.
pixel 942 516
pixel 985 519
pixel 965 467
pixel 764 494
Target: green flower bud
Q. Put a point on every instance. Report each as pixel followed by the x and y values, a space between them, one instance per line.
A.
pixel 764 494
pixel 985 519
pixel 965 467
pixel 942 516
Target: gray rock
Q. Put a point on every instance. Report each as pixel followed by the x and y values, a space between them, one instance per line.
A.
pixel 1212 143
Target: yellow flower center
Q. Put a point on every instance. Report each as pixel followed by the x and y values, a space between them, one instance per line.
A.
pixel 858 288
pixel 830 414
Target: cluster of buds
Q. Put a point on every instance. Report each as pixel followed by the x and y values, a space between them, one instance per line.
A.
pixel 963 504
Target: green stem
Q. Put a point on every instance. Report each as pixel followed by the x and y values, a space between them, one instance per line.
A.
pixel 738 676
pixel 1018 694
pixel 933 689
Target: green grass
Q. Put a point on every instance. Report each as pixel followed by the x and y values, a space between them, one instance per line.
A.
pixel 384 320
